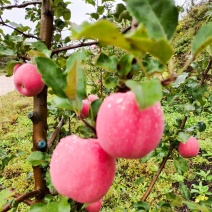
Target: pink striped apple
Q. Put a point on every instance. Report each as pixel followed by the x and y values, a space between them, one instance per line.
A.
pixel 126 131
pixel 28 80
pixel 86 105
pixel 81 170
pixel 16 67
pixel 94 207
pixel 190 148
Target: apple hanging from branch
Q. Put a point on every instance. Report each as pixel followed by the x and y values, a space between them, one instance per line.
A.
pixel 27 80
pixel 126 131
pixel 190 148
pixel 94 207
pixel 81 170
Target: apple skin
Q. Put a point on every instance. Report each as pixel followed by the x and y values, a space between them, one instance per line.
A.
pixel 16 67
pixel 81 170
pixel 125 131
pixel 92 97
pixel 28 80
pixel 94 207
pixel 190 148
pixel 86 105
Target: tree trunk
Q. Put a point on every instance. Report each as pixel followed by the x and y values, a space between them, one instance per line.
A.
pixel 39 117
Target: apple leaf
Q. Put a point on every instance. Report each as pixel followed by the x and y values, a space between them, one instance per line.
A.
pixel 52 75
pixel 76 81
pixel 125 65
pixel 160 48
pixel 202 39
pixel 40 46
pixel 159 17
pixel 10 65
pixel 107 62
pixel 147 93
pixel 94 108
pixel 183 137
pixel 103 30
pixel 184 190
pixel 180 165
pixel 62 103
pixel 38 207
pixel 38 158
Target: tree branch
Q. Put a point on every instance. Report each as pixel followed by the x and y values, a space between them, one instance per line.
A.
pixel 55 133
pixel 25 4
pixel 82 44
pixel 21 199
pixel 19 31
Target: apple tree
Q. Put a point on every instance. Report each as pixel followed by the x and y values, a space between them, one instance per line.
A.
pixel 112 75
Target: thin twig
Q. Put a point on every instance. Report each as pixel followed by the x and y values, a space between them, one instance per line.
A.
pixel 204 75
pixel 19 31
pixel 25 4
pixel 55 133
pixel 82 44
pixel 88 125
pixel 162 165
pixel 21 199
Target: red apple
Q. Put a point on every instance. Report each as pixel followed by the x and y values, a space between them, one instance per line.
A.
pixel 94 207
pixel 94 46
pixel 86 105
pixel 124 130
pixel 28 80
pixel 16 67
pixel 81 170
pixel 190 148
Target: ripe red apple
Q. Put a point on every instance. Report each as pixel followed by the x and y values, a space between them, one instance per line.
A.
pixel 28 80
pixel 81 170
pixel 190 148
pixel 94 207
pixel 16 67
pixel 86 105
pixel 124 130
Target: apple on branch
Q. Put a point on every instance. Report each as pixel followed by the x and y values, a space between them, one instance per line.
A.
pixel 81 170
pixel 126 131
pixel 86 105
pixel 27 80
pixel 16 67
pixel 94 207
pixel 190 148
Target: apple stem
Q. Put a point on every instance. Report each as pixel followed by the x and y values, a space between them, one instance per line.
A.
pixel 89 126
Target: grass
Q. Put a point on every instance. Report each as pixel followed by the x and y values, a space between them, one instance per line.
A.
pixel 132 176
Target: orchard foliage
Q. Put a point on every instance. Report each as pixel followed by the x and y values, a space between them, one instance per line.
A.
pixel 125 47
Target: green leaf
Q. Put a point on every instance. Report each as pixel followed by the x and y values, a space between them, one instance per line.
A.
pixel 201 126
pixel 107 62
pixel 64 205
pixel 52 75
pixel 92 2
pixel 67 14
pixel 38 158
pixel 180 165
pixel 62 103
pixel 4 195
pixel 100 9
pixel 159 17
pixel 40 46
pixel 147 93
pixel 185 191
pixel 175 201
pixel 95 15
pixel 76 82
pixel 160 48
pixel 141 205
pixel 104 31
pixel 125 65
pixel 95 105
pixel 10 66
pixel 180 79
pixel 194 206
pixel 202 39
pixel 183 137
pixel 38 207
